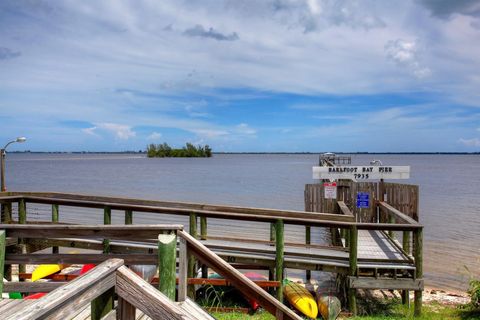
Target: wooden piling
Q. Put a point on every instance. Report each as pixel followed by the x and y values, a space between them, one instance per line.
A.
pixel 107 219
pixel 308 239
pixel 191 257
pixel 418 255
pixel 167 255
pixel 271 270
pixel 102 305
pixel 352 299
pixel 2 259
pixel 55 220
pixel 203 236
pixel 279 249
pixel 22 219
pixel 7 212
pixel 128 217
pixel 406 241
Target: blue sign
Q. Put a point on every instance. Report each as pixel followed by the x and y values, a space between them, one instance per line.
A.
pixel 363 200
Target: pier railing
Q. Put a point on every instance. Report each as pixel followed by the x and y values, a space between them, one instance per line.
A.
pixel 277 219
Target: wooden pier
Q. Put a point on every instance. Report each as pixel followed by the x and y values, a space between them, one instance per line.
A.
pixel 364 248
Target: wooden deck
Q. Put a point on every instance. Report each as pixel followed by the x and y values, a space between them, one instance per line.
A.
pixel 366 252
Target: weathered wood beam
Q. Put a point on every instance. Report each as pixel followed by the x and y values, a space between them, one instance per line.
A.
pixel 242 283
pixel 143 296
pixel 390 284
pixel 2 259
pixel 67 299
pixel 133 232
pixel 81 258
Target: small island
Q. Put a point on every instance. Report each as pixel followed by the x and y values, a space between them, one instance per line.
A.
pixel 188 151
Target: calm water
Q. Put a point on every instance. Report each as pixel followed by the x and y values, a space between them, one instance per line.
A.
pixel 449 191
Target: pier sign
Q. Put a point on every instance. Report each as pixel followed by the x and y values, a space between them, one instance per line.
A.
pixel 330 189
pixel 363 200
pixel 362 172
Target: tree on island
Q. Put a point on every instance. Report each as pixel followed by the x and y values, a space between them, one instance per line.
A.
pixel 189 151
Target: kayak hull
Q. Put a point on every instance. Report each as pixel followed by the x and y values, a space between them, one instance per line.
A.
pixel 301 299
pixel 329 306
pixel 44 270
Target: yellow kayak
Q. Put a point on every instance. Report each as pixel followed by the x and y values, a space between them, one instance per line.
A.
pixel 45 270
pixel 301 299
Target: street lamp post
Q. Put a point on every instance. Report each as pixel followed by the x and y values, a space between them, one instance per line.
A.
pixel 2 160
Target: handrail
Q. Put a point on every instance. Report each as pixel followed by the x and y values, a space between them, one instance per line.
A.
pixel 295 217
pixel 237 279
pixel 164 205
pixel 64 300
pixel 397 213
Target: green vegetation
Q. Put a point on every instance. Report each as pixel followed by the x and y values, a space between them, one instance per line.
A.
pixel 381 310
pixel 261 315
pixel 189 151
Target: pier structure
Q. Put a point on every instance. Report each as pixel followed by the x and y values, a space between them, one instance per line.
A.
pixel 365 252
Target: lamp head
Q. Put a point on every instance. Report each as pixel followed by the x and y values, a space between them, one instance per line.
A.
pixel 21 139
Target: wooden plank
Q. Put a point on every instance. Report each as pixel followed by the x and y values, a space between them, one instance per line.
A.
pixel 80 258
pixel 194 310
pixel 143 296
pixel 32 286
pixel 257 214
pixel 390 284
pixel 132 232
pixel 242 283
pixel 65 300
pixel 385 206
pixel 191 258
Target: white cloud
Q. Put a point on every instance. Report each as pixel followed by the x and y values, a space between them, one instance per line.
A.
pixel 474 142
pixel 90 131
pixel 245 129
pixel 209 133
pixel 406 54
pixel 120 131
pixel 154 136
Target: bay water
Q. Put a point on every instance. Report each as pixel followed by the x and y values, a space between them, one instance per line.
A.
pixel 449 191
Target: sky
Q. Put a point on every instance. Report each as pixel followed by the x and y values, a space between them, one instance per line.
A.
pixel 261 76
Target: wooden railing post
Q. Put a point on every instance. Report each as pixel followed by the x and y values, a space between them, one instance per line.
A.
pixel 102 305
pixel 418 255
pixel 2 259
pixel 167 263
pixel 191 257
pixel 182 270
pixel 22 219
pixel 271 270
pixel 352 299
pixel 128 217
pixel 308 240
pixel 7 212
pixel 279 249
pixel 55 220
pixel 203 236
pixel 406 241
pixel 107 219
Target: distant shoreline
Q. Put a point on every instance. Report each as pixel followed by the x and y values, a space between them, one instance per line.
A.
pixel 314 153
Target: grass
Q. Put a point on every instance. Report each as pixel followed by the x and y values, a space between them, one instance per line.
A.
pixel 386 310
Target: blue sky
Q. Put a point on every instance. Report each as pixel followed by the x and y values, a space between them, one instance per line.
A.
pixel 281 75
